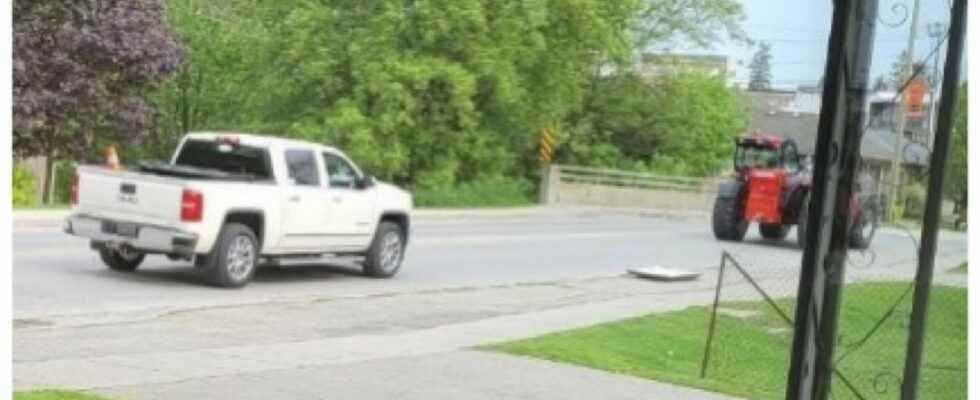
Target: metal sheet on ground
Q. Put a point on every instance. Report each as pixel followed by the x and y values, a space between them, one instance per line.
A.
pixel 664 274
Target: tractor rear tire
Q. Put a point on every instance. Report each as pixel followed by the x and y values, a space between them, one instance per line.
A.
pixel 801 222
pixel 773 231
pixel 862 231
pixel 727 219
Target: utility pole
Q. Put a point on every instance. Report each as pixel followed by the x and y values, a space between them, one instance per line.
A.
pixel 896 172
pixel 935 31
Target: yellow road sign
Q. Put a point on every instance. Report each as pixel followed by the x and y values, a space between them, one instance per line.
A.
pixel 546 146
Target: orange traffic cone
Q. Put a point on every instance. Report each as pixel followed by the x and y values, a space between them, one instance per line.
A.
pixel 112 158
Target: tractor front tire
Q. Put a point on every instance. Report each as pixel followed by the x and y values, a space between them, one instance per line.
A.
pixel 727 220
pixel 773 231
pixel 862 231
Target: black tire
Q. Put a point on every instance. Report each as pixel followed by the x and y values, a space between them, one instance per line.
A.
pixel 774 231
pixel 863 231
pixel 801 222
pixel 224 269
pixel 124 261
pixel 727 220
pixel 378 261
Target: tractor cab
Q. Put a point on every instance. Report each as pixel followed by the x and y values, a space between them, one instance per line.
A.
pixel 766 152
pixel 764 164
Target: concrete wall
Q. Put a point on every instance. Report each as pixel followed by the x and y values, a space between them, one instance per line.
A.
pixel 561 188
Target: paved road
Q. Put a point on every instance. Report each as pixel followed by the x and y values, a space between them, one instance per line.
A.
pixel 57 275
pixel 305 331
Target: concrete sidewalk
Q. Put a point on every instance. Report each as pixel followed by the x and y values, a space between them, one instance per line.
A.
pixel 461 375
pixel 412 346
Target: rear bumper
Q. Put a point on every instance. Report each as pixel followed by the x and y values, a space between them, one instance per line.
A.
pixel 148 238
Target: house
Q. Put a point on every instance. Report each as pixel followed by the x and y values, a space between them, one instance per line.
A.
pixel 653 65
pixel 796 115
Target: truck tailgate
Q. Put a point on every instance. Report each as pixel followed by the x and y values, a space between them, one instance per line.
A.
pixel 129 196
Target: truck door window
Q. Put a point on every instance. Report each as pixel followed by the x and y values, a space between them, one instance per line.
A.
pixel 302 167
pixel 339 172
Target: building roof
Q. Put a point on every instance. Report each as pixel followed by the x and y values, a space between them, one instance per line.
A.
pixel 769 115
pixel 687 58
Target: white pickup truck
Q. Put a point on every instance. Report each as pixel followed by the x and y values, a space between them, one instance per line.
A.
pixel 228 201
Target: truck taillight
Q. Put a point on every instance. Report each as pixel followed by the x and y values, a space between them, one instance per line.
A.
pixel 74 189
pixel 191 206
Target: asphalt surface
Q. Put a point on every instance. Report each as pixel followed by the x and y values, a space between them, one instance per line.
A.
pixel 56 274
pixel 321 330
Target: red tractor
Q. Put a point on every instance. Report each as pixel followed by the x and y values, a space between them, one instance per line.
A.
pixel 772 187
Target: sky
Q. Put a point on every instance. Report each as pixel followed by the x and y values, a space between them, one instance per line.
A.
pixel 798 31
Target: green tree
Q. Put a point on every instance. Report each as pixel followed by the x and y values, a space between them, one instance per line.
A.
pixel 698 116
pixel 955 182
pixel 880 83
pixel 80 72
pixel 450 90
pixel 898 74
pixel 425 92
pixel 679 124
pixel 760 70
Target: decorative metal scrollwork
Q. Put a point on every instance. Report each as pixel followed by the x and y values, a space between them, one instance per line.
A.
pixel 885 380
pixel 899 10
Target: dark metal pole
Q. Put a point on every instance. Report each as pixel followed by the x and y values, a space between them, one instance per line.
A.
pixel 930 226
pixel 837 154
pixel 714 315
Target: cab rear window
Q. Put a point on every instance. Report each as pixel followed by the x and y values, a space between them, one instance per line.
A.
pixel 225 157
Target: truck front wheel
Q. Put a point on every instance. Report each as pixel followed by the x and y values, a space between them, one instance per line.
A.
pixel 384 257
pixel 233 260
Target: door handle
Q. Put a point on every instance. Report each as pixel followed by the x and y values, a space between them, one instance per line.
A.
pixel 294 198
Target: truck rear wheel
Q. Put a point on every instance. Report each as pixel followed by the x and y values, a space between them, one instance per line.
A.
pixel 233 260
pixel 384 258
pixel 727 219
pixel 773 231
pixel 121 259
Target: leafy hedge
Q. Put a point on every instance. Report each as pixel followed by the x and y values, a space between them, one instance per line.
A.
pixel 484 193
pixel 24 187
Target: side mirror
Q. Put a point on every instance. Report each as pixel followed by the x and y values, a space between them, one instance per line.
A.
pixel 365 182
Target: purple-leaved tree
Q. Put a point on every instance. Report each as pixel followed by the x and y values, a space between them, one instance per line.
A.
pixel 81 69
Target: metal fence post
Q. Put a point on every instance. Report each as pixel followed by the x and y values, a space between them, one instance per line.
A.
pixel 714 316
pixel 933 209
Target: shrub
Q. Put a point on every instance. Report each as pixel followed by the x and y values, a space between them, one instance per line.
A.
pixel 24 191
pixel 915 200
pixel 483 193
pixel 64 172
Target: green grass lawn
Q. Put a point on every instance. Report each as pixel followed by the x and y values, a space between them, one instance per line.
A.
pixel 55 395
pixel 750 354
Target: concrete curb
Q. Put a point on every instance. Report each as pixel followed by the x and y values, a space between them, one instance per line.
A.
pixel 55 218
pixel 39 218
